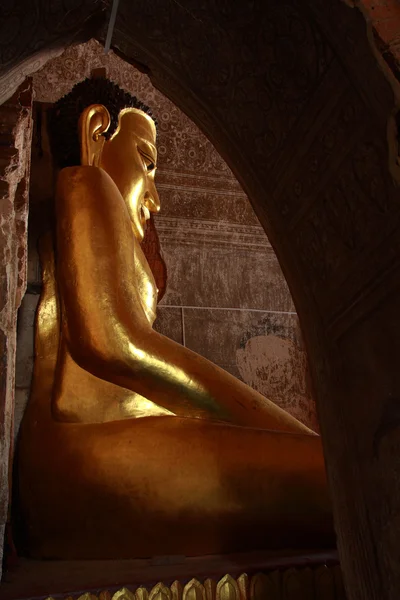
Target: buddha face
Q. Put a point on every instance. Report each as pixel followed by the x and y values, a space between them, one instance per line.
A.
pixel 130 158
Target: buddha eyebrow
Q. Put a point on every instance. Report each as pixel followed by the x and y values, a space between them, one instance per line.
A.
pixel 148 149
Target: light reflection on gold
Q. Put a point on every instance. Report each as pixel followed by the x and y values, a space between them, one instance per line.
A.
pixel 131 443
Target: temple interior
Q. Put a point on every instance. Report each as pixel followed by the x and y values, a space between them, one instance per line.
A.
pixel 207 409
pixel 207 249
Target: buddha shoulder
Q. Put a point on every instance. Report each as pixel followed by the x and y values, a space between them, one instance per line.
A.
pixel 84 183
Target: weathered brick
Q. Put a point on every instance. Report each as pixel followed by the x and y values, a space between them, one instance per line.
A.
pixel 15 132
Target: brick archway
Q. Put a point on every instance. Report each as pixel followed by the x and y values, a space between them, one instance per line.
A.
pixel 384 18
pixel 295 101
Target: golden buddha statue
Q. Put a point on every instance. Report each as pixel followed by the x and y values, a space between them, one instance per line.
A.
pixel 132 445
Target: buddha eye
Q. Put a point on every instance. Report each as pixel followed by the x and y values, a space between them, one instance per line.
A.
pixel 148 161
pixel 149 164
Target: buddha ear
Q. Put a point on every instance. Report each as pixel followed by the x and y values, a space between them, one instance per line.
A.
pixel 93 123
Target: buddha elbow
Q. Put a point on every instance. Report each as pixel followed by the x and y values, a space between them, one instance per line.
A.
pixel 100 357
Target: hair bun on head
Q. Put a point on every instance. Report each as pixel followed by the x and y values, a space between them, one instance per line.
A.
pixel 64 116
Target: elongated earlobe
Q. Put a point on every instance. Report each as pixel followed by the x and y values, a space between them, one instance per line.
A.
pixel 93 123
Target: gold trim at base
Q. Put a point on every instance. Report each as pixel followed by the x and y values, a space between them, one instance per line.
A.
pixel 304 584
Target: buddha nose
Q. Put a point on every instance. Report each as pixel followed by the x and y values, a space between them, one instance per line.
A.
pixel 152 200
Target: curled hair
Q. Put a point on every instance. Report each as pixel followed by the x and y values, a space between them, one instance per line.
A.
pixel 64 116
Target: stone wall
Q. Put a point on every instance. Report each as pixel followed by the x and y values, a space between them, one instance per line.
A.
pixel 226 297
pixel 15 141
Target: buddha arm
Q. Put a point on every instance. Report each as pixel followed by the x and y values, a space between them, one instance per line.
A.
pixel 104 324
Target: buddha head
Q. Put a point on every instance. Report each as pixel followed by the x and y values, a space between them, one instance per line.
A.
pixel 99 124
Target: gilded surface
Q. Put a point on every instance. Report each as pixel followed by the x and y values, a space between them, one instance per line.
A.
pixel 316 584
pixel 211 465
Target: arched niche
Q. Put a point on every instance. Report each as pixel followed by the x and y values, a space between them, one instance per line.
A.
pixel 300 105
pixel 222 293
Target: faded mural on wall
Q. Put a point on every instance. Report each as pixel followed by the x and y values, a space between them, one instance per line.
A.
pixel 225 297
